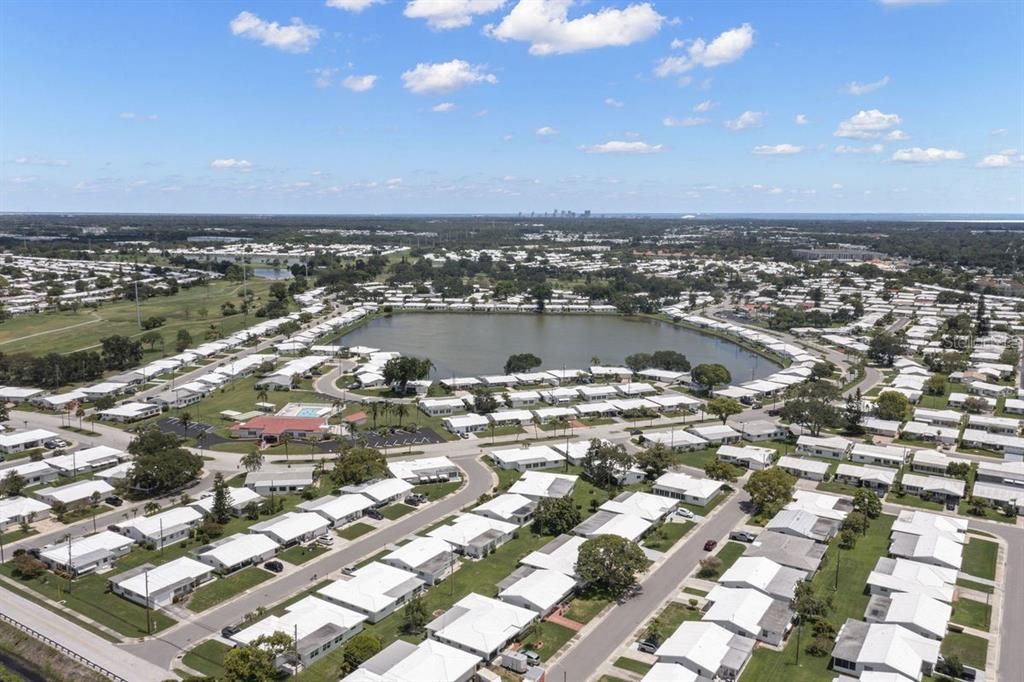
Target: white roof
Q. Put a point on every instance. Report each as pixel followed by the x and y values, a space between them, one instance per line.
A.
pixel 504 506
pixel 669 672
pixel 904 575
pixel 237 497
pixel 414 468
pixel 468 527
pixel 18 507
pixel 898 648
pixel 419 551
pixel 480 623
pixel 337 507
pixel 673 437
pixel 949 486
pixel 384 489
pixel 441 662
pixel 104 541
pixel 818 504
pixel 27 469
pixel 931 547
pixel 165 575
pixel 240 547
pixel 73 492
pixel 759 573
pixel 803 464
pixel 291 525
pixel 743 607
pixel 534 453
pixel 714 432
pixel 750 453
pixel 21 437
pixel 542 589
pixel 881 475
pixel 561 559
pixel 644 505
pixel 86 458
pixel 687 484
pixel 373 587
pixel 542 484
pixel 628 526
pixel 304 617
pixel 831 443
pixel 705 643
pixel 170 519
pixel 928 614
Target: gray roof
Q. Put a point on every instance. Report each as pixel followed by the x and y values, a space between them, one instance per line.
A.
pixel 788 550
pixel 850 640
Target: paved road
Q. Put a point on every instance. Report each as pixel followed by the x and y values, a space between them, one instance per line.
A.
pixel 585 657
pixel 162 649
pixel 74 638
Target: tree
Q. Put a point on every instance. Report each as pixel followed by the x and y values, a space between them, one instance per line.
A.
pixel 717 470
pixel 541 293
pixel 360 649
pixel 856 522
pixel 974 404
pixel 152 338
pixel 770 490
pixel 521 362
pixel 892 405
pixel 484 401
pixel 710 375
pixel 161 465
pixel 120 352
pixel 415 616
pixel 807 605
pixel 610 563
pixel 358 465
pixel 221 509
pixel 884 348
pixel 256 662
pixel 959 470
pixel 853 414
pixel 603 461
pixel 936 385
pixel 183 341
pixel 12 484
pixel 823 369
pixel 867 503
pixel 811 405
pixel 252 460
pixel 639 361
pixel 151 507
pixel 27 566
pixel 556 515
pixel 400 371
pixel 654 460
pixel 723 408
pixel 279 291
pixel 670 360
pixel 709 567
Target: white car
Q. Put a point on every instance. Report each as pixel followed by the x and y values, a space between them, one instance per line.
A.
pixel 684 512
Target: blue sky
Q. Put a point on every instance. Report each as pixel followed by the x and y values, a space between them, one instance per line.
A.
pixel 490 106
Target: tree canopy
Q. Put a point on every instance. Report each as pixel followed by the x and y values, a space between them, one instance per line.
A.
pixel 892 405
pixel 723 408
pixel 812 405
pixel 556 515
pixel 770 490
pixel 161 465
pixel 610 563
pixel 521 362
pixel 400 371
pixel 603 460
pixel 710 375
pixel 359 465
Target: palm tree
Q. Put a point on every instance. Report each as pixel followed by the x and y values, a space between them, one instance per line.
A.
pixel 151 507
pixel 401 411
pixel 253 460
pixel 283 440
pixel 186 420
pixel 374 410
pixel 80 412
pixel 312 440
pixel 261 394
pixel 386 408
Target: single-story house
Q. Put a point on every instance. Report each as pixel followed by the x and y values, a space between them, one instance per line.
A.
pixel 917 612
pixel 527 457
pixel 161 528
pixel 932 462
pixel 645 505
pixel 935 549
pixel 893 575
pixel 432 559
pixel 289 481
pixel 34 473
pixel 14 510
pixel 19 441
pixel 878 479
pixel 157 586
pixel 480 625
pixel 271 428
pixel 674 439
pixel 338 509
pixel 883 455
pixel 939 488
pixel 687 488
pixel 803 524
pixel 764 575
pixel 88 554
pixel 238 500
pixel 405 662
pixel 707 649
pixel 788 550
pixel 508 507
pixel 750 613
pixel 716 434
pixel 747 456
pixel 801 467
pixel 537 589
pixel 558 555
pixel 883 647
pixel 628 526
pixel 466 423
pixel 441 407
pixel 538 484
pixel 130 412
pixel 77 494
pixel 473 535
pixel 424 470
pixel 376 590
pixel 762 429
pixel 237 551
pixel 87 459
pixel 292 528
pixel 832 447
pixel 881 427
pixel 383 491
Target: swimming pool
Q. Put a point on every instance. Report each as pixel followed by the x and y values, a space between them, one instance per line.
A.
pixel 310 412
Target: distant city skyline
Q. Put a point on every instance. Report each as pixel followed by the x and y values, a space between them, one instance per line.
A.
pixel 508 106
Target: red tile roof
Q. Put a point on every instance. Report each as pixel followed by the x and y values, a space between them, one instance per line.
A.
pixel 275 426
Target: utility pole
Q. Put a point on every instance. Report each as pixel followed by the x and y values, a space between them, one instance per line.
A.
pixel 149 620
pixel 161 537
pixel 69 563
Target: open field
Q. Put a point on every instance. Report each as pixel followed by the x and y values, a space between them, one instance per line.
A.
pixel 64 332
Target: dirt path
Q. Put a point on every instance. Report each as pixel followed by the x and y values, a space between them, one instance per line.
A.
pixel 96 318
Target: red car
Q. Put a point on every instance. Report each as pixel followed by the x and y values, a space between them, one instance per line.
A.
pixel 710 545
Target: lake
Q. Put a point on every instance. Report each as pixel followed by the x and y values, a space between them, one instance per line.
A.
pixel 272 273
pixel 474 344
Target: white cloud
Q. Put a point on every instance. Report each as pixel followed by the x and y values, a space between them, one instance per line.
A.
pixel 856 88
pixel 677 44
pixel 748 119
pixel 777 149
pixel 294 37
pixel 323 78
pixel 442 15
pixel 614 103
pixel 727 47
pixel 392 183
pixel 1003 159
pixel 999 131
pixel 854 149
pixel 896 135
pixel 443 107
pixel 687 122
pixel 929 155
pixel 359 83
pixel 546 131
pixel 352 5
pixel 621 147
pixel 428 79
pixel 704 107
pixel 801 119
pixel 836 185
pixel 867 124
pixel 231 164
pixel 133 116
pixel 32 161
pixel 545 24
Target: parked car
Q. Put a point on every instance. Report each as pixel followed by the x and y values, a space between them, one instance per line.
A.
pixel 710 545
pixel 229 630
pixel 55 443
pixel 648 646
pixel 374 514
pixel 950 505
pixel 742 536
pixel 684 512
pixel 274 566
pixel 414 500
pixel 532 657
pixel 114 501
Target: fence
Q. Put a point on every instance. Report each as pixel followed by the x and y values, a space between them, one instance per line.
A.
pixel 63 649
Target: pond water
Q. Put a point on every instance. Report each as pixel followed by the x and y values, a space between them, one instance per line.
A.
pixel 473 344
pixel 272 273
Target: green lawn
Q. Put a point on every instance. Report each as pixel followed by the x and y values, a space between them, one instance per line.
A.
pixel 584 608
pixel 980 558
pixel 972 585
pixel 666 535
pixel 697 459
pixel 506 477
pixel 991 514
pixel 223 589
pixel 181 310
pixel 849 601
pixel 207 658
pixel 973 614
pixel 729 553
pixel 909 500
pixel 632 665
pixel 970 649
pixel 706 509
pixel 435 491
pixel 300 554
pixel 15 535
pixel 671 617
pixel 355 530
pixel 395 511
pixel 548 639
pixel 695 591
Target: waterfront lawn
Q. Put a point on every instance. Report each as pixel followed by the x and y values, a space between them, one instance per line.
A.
pixel 207 658
pixel 666 535
pixel 300 554
pixel 395 511
pixel 435 491
pixel 223 589
pixel 849 601
pixel 980 558
pixel 970 649
pixel 632 665
pixel 973 614
pixel 355 530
